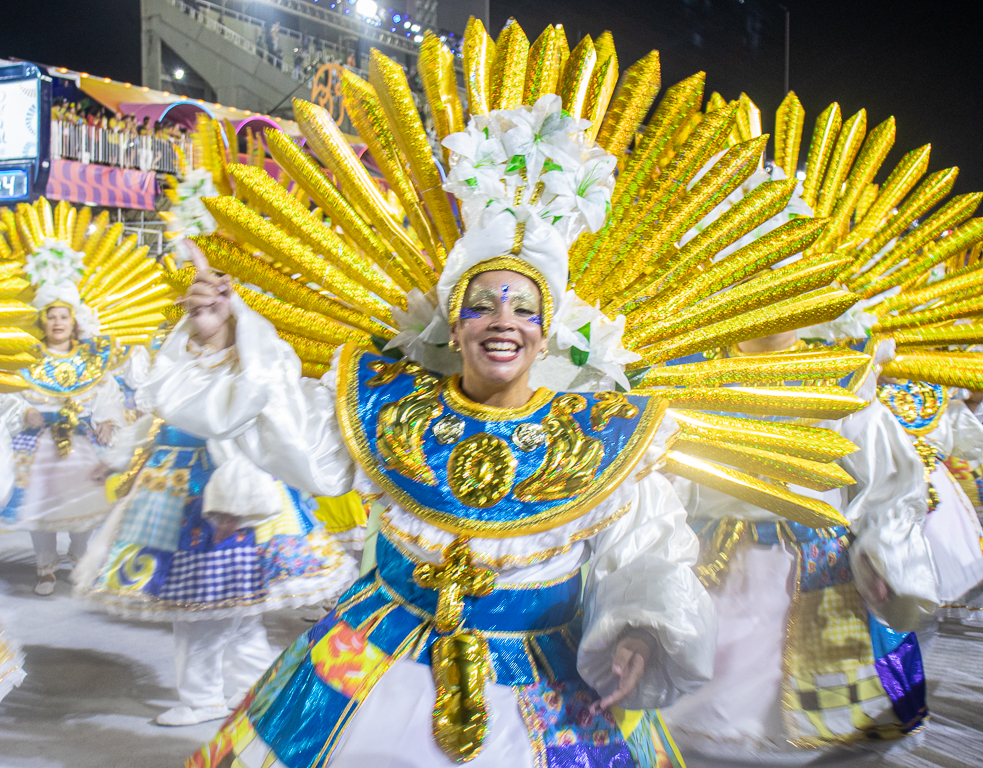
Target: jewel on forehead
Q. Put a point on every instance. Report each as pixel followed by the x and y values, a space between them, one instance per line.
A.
pixel 505 293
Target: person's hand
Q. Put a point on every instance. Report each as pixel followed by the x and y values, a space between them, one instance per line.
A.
pixel 207 304
pixel 629 662
pixel 224 526
pixel 104 432
pixel 33 419
pixel 876 590
pixel 100 473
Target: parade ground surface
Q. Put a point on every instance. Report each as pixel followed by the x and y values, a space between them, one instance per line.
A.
pixel 95 683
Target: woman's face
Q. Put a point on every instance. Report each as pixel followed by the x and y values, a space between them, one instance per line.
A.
pixel 58 325
pixel 500 331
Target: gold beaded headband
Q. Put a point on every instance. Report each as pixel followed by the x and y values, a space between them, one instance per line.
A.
pixel 510 264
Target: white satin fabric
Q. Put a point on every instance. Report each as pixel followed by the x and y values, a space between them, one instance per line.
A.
pixel 953 529
pixel 643 552
pixel 736 720
pixel 61 495
pixel 238 487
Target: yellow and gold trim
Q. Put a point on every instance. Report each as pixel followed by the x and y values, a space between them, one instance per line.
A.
pixel 460 402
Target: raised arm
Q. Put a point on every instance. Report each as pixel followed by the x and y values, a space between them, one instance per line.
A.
pixel 224 373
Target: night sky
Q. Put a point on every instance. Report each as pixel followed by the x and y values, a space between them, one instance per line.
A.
pixel 917 61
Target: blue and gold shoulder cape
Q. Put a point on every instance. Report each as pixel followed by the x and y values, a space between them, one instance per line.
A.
pixel 475 470
pixel 67 374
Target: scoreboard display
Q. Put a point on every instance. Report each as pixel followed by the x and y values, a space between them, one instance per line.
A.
pixel 25 132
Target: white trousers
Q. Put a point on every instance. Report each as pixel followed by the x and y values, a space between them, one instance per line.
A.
pixel 212 652
pixel 46 549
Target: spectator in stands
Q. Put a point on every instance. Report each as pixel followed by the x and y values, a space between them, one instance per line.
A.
pixel 146 129
pixel 298 64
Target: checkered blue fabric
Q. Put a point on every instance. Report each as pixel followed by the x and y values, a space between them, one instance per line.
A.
pixel 215 576
pixel 153 519
pixel 25 441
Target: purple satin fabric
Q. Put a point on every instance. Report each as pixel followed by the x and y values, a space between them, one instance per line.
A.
pixel 903 677
pixel 589 756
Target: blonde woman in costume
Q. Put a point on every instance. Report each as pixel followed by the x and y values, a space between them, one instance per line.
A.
pixel 97 299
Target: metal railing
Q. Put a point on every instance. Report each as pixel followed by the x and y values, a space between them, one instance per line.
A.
pixel 345 23
pixel 101 146
pixel 212 17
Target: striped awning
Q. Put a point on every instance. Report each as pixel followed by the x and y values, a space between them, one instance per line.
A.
pixel 101 185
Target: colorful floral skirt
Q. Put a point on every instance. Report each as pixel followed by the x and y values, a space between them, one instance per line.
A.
pixel 155 558
pixel 800 662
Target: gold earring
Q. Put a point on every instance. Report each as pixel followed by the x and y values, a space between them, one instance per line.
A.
pixel 453 346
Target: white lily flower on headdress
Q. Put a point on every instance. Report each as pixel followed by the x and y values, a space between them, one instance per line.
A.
pixel 585 349
pixel 478 163
pixel 543 133
pixel 54 262
pixel 587 191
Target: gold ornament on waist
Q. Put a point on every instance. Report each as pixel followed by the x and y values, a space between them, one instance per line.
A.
pixel 571 460
pixel 63 429
pixel 481 470
pixel 460 666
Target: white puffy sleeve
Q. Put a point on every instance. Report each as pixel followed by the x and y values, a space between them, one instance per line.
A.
pixel 886 510
pixel 12 410
pixel 965 433
pixel 108 404
pixel 238 487
pixel 136 374
pixel 254 393
pixel 641 576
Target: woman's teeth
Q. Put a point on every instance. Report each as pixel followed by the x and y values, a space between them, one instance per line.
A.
pixel 501 346
pixel 501 350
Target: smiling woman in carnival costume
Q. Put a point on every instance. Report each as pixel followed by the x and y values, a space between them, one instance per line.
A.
pixel 66 413
pixel 469 641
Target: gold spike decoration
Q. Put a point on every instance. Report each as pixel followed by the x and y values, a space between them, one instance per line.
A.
pixel 631 102
pixel 746 487
pixel 824 136
pixel 509 71
pixel 575 85
pixel 368 117
pixel 339 210
pixel 390 84
pixel 847 146
pixel 543 68
pixel 327 141
pixel 788 134
pixel 479 58
pixel 874 150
